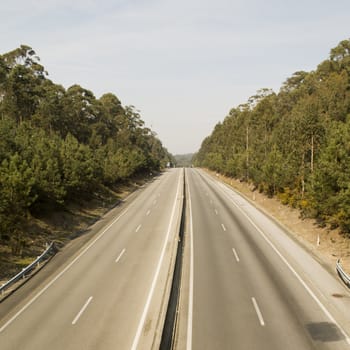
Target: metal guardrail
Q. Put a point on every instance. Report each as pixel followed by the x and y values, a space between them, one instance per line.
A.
pixel 343 275
pixel 26 270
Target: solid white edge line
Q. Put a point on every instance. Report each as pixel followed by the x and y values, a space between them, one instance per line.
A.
pixel 190 298
pixel 235 254
pixel 258 312
pixel 138 228
pixel 223 227
pixel 30 302
pixel 81 311
pixel 303 283
pixel 155 277
pixel 120 255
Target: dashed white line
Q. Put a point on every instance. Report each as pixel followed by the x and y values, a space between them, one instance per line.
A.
pixel 138 228
pixel 235 254
pixel 258 312
pixel 223 227
pixel 148 212
pixel 216 212
pixel 81 311
pixel 120 255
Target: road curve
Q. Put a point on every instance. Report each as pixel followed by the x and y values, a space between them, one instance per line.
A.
pixel 111 294
pixel 247 285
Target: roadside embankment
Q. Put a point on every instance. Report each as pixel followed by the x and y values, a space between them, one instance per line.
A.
pixel 326 244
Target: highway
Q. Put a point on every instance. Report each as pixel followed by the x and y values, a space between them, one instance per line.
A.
pixel 247 285
pixel 112 294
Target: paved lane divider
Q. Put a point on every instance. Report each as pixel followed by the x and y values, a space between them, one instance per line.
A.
pixel 81 311
pixel 235 254
pixel 258 312
pixel 120 255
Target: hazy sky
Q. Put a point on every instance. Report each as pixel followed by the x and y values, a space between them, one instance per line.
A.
pixel 183 63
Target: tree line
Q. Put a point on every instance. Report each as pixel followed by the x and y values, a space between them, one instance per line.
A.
pixel 60 144
pixel 294 144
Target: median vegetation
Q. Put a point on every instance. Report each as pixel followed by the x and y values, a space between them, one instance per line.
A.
pixel 60 147
pixel 294 144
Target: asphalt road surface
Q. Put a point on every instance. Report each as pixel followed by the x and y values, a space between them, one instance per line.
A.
pixel 247 285
pixel 112 293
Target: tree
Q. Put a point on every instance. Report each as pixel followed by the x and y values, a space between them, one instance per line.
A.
pixel 16 197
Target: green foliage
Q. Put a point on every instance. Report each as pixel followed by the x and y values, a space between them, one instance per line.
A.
pixel 58 145
pixel 294 144
pixel 183 160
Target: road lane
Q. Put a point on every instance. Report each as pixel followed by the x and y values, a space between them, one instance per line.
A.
pixel 106 301
pixel 258 303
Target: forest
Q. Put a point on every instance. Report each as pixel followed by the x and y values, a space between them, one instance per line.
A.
pixel 294 144
pixel 59 145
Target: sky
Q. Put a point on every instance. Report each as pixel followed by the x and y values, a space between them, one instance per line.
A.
pixel 182 63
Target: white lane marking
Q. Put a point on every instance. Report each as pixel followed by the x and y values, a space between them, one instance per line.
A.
pixel 235 254
pixel 190 297
pixel 148 212
pixel 120 255
pixel 81 311
pixel 30 302
pixel 216 212
pixel 138 228
pixel 155 277
pixel 223 227
pixel 258 312
pixel 311 293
